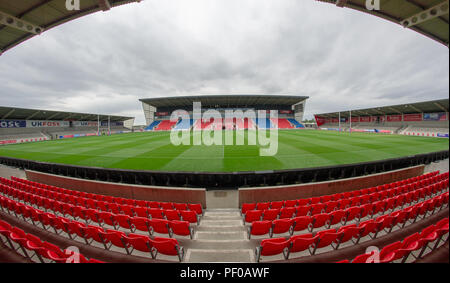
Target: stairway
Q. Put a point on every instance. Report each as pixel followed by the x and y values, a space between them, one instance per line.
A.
pixel 221 237
pixel 403 129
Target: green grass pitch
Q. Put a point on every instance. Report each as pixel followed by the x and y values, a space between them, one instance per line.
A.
pixel 154 151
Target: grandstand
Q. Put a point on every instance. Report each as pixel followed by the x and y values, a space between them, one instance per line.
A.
pixel 290 111
pixel 19 125
pixel 428 118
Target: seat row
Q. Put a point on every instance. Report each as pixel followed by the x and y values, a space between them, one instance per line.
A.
pixel 34 249
pixel 176 226
pixel 90 233
pixel 342 217
pixel 335 237
pixel 94 199
pixel 414 245
pixel 77 208
pixel 346 209
pixel 423 180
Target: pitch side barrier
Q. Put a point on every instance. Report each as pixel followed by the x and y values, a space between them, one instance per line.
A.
pixel 227 180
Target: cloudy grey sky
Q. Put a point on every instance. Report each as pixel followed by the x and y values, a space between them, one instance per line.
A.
pixel 340 58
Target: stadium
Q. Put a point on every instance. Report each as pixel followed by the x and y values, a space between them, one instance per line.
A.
pixel 224 178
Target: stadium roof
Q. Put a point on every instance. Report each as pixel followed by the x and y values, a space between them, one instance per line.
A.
pixel 428 17
pixel 23 19
pixel 42 15
pixel 12 113
pixel 440 105
pixel 225 100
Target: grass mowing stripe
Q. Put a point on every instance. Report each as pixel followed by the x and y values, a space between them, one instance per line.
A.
pixel 153 151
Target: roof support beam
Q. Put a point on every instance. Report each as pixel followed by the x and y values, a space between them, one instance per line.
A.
pixel 429 14
pixel 16 23
pixel 441 107
pixel 341 3
pixel 53 116
pixel 104 5
pixel 415 108
pixel 33 115
pixel 8 114
pixel 395 110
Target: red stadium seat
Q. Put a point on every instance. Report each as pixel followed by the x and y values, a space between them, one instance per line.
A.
pixel 259 228
pixel 180 206
pixel 327 198
pixel 127 210
pixel 276 204
pixel 108 218
pixel 336 217
pixel 141 211
pixel 364 258
pixel 301 223
pixel 350 232
pixel 123 221
pixel 114 208
pixel 171 214
pixel 303 210
pixel 190 216
pixel 378 207
pixel 271 247
pixel 282 226
pixel 166 205
pixel 320 220
pixel 366 210
pixel 253 215
pixel 290 203
pixel 160 226
pixel 327 238
pixel 142 224
pixel 115 238
pixel 262 205
pixel 92 233
pixel 303 202
pixel 287 212
pixel 153 204
pixel 409 245
pixel 388 253
pixel 332 206
pixel 246 207
pixel 167 246
pixel 75 228
pixel 344 203
pixel 180 228
pixel 91 215
pixel 196 207
pixel 141 203
pixel 102 205
pixel 301 243
pixel 369 228
pixel 139 242
pixel 317 208
pixel 155 213
pixel 270 214
pixel 353 213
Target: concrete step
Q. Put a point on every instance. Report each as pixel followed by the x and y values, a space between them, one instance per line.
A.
pixel 222 212
pixel 221 217
pixel 214 235
pixel 219 255
pixel 221 223
pixel 231 228
pixel 222 244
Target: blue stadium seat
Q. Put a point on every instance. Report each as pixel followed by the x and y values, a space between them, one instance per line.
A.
pixel 296 123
